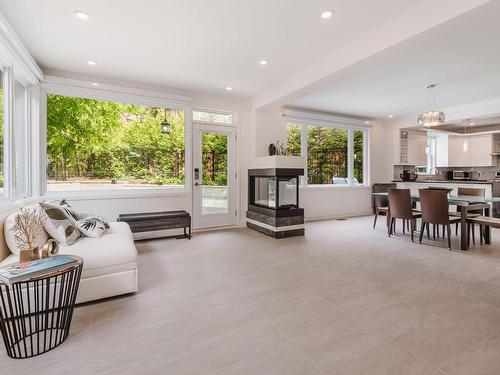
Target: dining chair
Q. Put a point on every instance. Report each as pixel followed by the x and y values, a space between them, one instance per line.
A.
pixel 380 202
pixel 434 208
pixel 381 207
pixel 472 192
pixel 435 227
pixel 400 207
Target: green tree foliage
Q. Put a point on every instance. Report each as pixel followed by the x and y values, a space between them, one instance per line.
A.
pixel 92 139
pixel 293 140
pixel 327 152
pixel 214 148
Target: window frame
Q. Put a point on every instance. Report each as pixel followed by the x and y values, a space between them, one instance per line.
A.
pixel 233 124
pixel 7 79
pixel 120 95
pixel 304 123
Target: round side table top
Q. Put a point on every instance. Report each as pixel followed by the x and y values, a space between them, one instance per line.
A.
pixel 51 273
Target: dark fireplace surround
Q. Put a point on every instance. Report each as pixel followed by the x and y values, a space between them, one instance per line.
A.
pixel 273 202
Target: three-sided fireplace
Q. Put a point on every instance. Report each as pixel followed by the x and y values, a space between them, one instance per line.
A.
pixel 273 205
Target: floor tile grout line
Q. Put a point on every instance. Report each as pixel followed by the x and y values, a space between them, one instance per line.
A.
pixel 375 288
pixel 277 329
pixel 471 348
pixel 347 314
pixel 423 310
pixel 361 323
pixel 87 348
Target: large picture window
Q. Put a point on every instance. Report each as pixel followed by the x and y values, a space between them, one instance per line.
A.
pixel 335 156
pixel 100 145
pixel 326 155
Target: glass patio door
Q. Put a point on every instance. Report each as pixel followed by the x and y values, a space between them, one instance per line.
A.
pixel 214 176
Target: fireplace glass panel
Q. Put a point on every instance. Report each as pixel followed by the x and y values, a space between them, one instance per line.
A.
pixel 288 192
pixel 265 191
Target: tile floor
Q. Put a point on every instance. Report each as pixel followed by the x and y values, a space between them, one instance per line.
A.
pixel 345 299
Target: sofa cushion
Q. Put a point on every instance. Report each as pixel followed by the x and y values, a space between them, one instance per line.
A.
pixel 112 253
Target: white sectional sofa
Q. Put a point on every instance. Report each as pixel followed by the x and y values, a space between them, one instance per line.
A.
pixel 110 262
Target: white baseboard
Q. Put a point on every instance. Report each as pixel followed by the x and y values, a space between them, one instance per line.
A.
pixel 338 216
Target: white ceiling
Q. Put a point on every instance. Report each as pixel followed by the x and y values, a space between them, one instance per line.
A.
pixel 461 55
pixel 205 45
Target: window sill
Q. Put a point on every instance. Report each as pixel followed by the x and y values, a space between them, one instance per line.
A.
pixel 117 194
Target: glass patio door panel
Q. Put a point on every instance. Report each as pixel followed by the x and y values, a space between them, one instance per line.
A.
pixel 213 176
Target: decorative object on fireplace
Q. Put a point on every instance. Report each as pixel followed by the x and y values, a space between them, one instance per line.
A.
pixel 273 206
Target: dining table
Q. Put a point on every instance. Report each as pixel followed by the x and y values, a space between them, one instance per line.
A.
pixel 464 204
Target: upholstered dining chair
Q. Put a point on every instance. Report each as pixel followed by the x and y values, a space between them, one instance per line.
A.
pixel 379 210
pixel 434 208
pixel 472 192
pixel 400 207
pixel 380 202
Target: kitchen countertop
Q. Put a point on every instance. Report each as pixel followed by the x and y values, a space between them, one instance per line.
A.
pixel 476 182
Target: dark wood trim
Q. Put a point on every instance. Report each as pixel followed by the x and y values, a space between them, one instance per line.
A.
pixel 276 172
pixel 156 221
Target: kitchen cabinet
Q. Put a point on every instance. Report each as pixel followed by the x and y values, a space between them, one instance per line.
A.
pixel 478 153
pixel 417 144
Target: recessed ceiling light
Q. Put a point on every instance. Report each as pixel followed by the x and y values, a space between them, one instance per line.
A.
pixel 390 116
pixel 327 14
pixel 95 84
pixel 91 63
pixel 229 88
pixel 263 62
pixel 473 123
pixel 81 15
pixel 367 122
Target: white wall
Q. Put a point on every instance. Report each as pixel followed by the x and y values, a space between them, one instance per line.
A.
pixel 110 208
pixel 269 128
pixel 335 202
pixel 324 201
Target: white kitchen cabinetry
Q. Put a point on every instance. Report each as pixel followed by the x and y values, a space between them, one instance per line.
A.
pixel 478 154
pixel 417 144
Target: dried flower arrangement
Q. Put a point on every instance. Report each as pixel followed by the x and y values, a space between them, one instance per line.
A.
pixel 28 227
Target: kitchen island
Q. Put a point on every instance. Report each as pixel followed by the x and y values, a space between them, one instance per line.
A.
pixel 414 186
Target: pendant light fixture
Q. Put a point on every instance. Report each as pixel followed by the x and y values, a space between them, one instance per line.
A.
pixel 431 118
pixel 165 125
pixel 465 145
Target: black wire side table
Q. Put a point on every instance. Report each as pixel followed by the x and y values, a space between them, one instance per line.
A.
pixel 35 314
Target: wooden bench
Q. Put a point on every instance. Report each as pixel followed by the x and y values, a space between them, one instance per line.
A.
pixel 155 221
pixel 485 220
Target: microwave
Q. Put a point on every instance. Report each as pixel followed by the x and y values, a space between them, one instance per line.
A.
pixel 462 175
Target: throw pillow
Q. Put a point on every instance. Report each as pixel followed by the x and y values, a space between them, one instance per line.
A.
pixel 17 240
pixel 58 225
pixel 89 225
pixel 92 226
